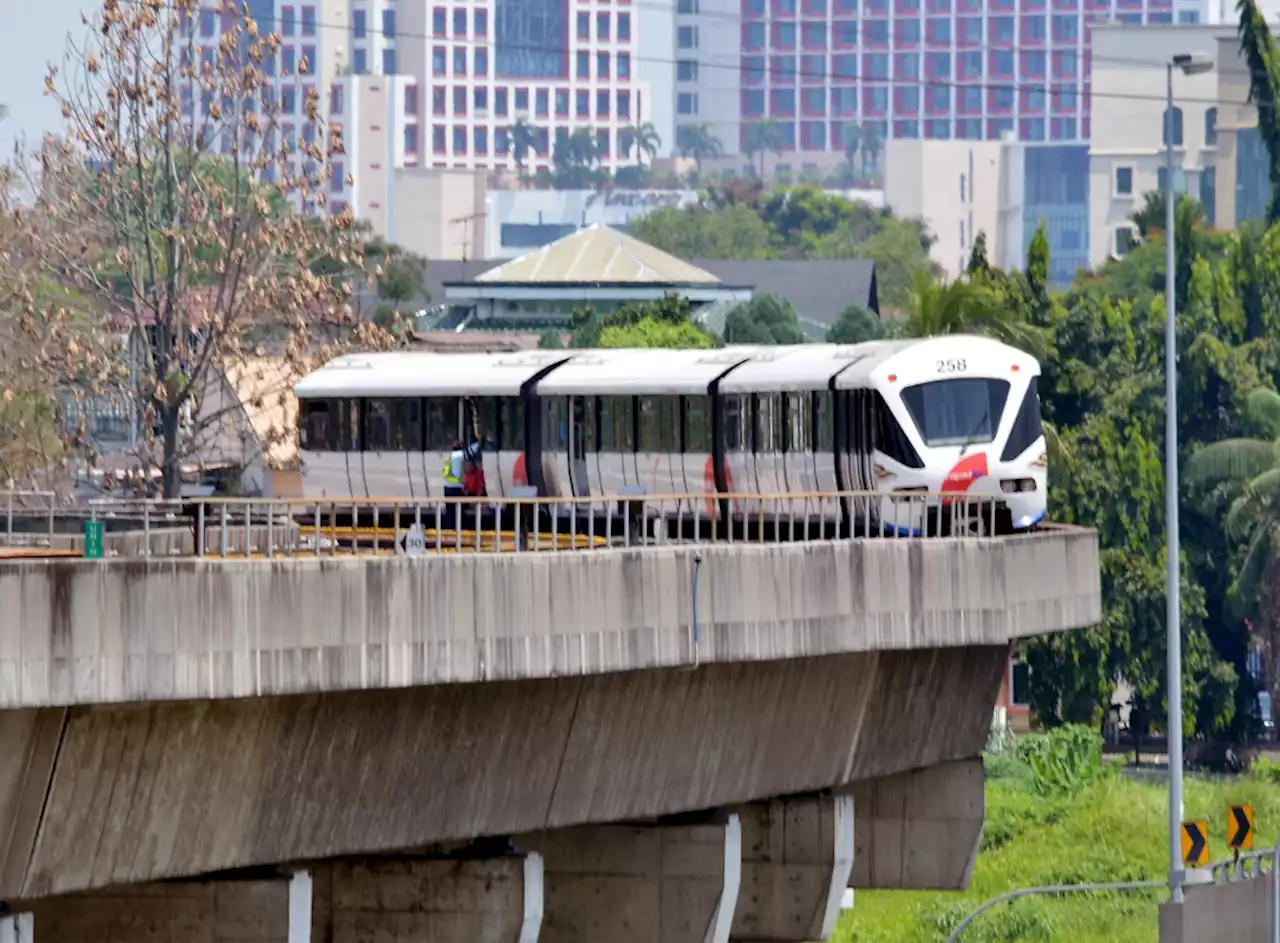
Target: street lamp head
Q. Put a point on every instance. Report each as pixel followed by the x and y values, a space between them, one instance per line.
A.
pixel 1193 63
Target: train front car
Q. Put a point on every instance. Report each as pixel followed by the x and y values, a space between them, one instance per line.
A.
pixel 956 415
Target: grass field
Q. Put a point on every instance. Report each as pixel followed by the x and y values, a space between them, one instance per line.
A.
pixel 1109 828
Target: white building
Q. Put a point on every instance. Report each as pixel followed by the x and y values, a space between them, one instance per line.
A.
pixel 378 115
pixel 1127 153
pixel 483 65
pixel 961 188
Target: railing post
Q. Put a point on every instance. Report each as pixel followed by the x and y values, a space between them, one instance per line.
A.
pixel 146 530
pixel 200 529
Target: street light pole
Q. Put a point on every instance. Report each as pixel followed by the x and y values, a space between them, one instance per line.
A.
pixel 1173 624
pixel 1190 64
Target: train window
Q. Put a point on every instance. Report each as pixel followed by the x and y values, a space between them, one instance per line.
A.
pixel 1026 425
pixel 768 436
pixel 957 412
pixel 798 423
pixel 888 436
pixel 406 425
pixel 584 424
pixel 441 423
pixel 555 424
pixel 511 432
pixel 737 411
pixel 617 428
pixel 697 424
pixel 316 425
pixel 659 424
pixel 823 422
pixel 484 412
pixel 377 425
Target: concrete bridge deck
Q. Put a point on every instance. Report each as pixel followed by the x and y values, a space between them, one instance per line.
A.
pixel 171 719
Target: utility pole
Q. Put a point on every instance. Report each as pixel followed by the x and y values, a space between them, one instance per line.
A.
pixel 468 222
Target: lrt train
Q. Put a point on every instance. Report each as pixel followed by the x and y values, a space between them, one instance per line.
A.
pixel 935 415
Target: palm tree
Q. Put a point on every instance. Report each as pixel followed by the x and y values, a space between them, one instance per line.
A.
pixel 852 132
pixel 698 141
pixel 763 137
pixel 521 138
pixel 1248 469
pixel 871 146
pixel 967 306
pixel 644 138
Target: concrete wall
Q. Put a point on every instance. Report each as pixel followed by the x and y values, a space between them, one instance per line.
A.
pixel 98 796
pixel 1234 912
pixel 84 632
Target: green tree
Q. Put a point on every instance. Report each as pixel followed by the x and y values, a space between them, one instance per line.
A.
pixel 652 332
pixel 550 340
pixel 855 325
pixel 1259 49
pixel 521 138
pixel 852 133
pixel 966 307
pixel 871 147
pixel 765 319
pixel 736 232
pixel 698 141
pixel 575 158
pixel 644 138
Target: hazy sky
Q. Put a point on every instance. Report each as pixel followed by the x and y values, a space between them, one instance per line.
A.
pixel 33 32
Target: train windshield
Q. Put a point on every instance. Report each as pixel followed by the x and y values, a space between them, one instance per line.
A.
pixel 963 411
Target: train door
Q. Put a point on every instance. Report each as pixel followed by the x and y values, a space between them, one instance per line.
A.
pixel 615 448
pixel 581 434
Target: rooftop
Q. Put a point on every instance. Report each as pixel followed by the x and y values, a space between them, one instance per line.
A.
pixel 598 254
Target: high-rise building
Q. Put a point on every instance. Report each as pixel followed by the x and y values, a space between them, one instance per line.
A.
pixel 900 69
pixel 547 67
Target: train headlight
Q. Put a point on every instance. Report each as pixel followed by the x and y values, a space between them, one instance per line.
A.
pixel 1017 485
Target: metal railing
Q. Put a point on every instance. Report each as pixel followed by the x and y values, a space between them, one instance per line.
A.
pixel 270 528
pixel 1251 866
pixel 30 507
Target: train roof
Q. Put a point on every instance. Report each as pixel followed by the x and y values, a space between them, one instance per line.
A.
pixel 649 371
pixel 914 357
pixel 801 367
pixel 427 374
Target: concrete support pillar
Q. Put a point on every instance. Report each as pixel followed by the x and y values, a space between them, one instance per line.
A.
pixel 920 830
pixel 410 900
pixel 641 884
pixel 300 903
pixel 796 858
pixel 17 928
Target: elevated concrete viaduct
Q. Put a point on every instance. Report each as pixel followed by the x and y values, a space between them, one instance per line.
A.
pixel 480 747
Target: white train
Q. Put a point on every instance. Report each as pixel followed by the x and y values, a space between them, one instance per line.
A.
pixel 949 414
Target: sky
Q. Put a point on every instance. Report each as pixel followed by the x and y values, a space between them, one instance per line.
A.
pixel 32 33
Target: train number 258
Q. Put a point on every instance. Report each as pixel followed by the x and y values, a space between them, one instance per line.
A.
pixel 951 366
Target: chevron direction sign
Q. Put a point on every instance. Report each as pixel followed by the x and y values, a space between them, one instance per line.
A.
pixel 1195 843
pixel 1240 827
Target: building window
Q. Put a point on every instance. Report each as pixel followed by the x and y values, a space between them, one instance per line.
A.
pixel 438 20
pixel 522 99
pixel 1211 127
pixel 602 104
pixel 460 61
pixel 540 102
pixel 1188 17
pixel 459 140
pixel 582 64
pixel 584 26
pixel 480 99
pixel 687 37
pixel 624 27
pixel 288 100
pixel 388 62
pixel 624 104
pixel 437 139
pixel 439 97
pixel 687 103
pixel 1034 25
pixel 337 177
pixel 528 39
pixel 1124 181
pixel 389 24
pixel 411 100
pixel 562 103
pixel 411 139
pixel 288 60
pixel 602 26
pixel 691 7
pixel 459 23
pixel 1173 119
pixel 308 21
pixel 359 62
pixel 582 103
pixel 1124 241
pixel 480 140
pixel 480 60
pixel 602 65
pixel 624 65
pixel 500 102
pixel 1019 683
pixel 288 21
pixel 359 26
pixel 500 142
pixel 686 70
pixel 482 22
pixel 459 100
pixel 439 60
pixel 335 99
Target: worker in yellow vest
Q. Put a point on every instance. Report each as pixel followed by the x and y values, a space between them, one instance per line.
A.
pixel 455 467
